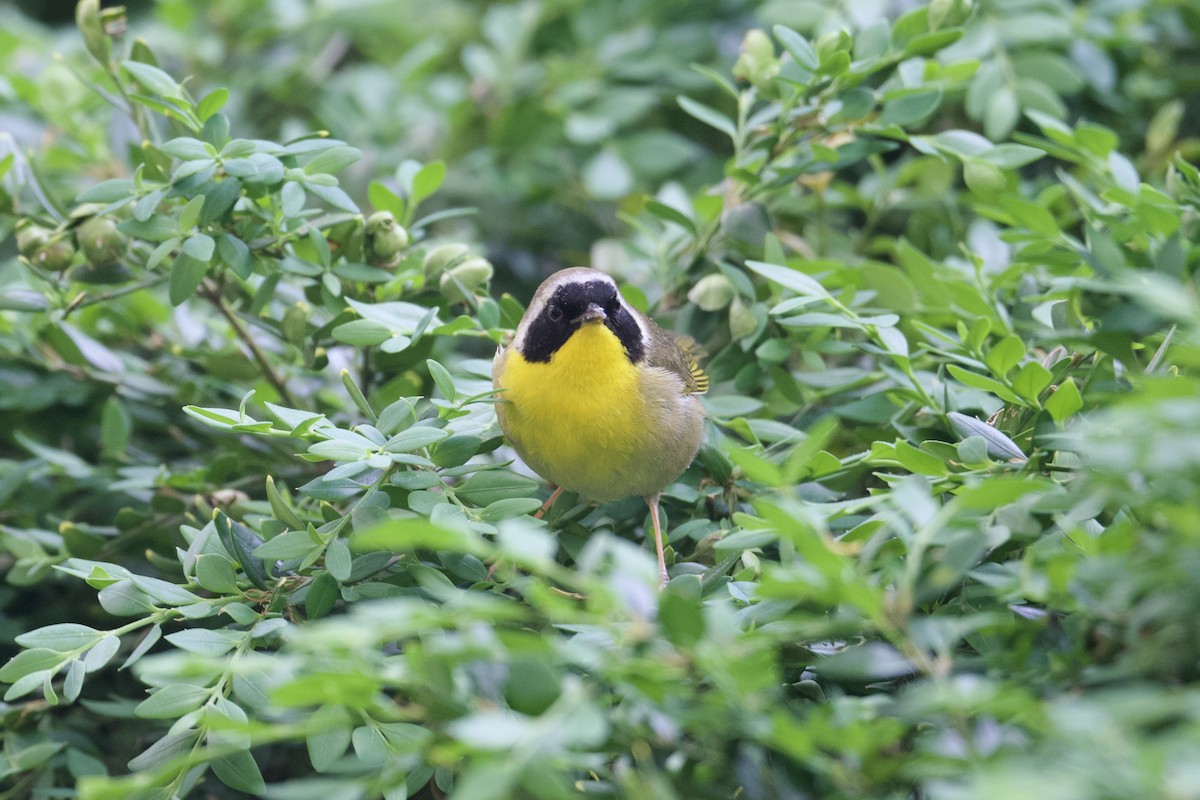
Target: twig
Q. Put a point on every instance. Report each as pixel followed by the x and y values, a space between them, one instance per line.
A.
pixel 82 300
pixel 212 293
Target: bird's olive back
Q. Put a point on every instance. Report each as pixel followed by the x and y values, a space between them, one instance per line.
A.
pixel 559 318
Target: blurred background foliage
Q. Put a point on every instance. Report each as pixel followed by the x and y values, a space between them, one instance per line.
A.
pixel 941 541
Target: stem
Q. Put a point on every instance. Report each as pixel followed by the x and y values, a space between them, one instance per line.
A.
pixel 212 293
pixel 82 300
pixel 365 373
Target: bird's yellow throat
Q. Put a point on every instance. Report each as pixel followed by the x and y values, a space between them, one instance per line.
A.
pixel 582 412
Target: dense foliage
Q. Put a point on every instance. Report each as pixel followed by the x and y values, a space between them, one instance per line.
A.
pixel 260 533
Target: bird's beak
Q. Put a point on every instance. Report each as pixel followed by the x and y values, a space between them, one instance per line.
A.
pixel 594 313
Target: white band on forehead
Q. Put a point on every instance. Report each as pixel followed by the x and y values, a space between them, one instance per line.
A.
pixel 551 285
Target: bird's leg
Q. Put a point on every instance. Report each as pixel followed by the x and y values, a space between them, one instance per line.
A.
pixel 549 502
pixel 652 501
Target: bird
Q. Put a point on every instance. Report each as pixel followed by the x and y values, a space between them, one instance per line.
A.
pixel 596 398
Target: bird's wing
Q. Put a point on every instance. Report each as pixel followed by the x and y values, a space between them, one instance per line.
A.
pixel 677 355
pixel 498 363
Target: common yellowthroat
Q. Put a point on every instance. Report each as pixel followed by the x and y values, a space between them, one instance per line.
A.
pixel 596 397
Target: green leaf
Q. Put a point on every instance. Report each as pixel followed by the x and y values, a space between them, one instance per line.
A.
pixel 212 102
pixel 1065 401
pixel 149 640
pixel 680 612
pixel 788 278
pixel 427 181
pixel 172 701
pixel 490 730
pixel 983 382
pixel 414 438
pixel 455 450
pixel 187 273
pixel 485 488
pixel 328 737
pixel 999 491
pixel 200 247
pixel 910 108
pixel 929 43
pixel 669 214
pixel 708 115
pixel 321 597
pixel 216 574
pixel 1031 215
pixel 356 394
pixel 108 191
pixel 152 78
pixel 1030 380
pixel 239 771
pixel 418 534
pixel 865 663
pixel 73 683
pixel 87 19
pixel 219 201
pixel 204 642
pixel 998 444
pixel 337 559
pixel 30 661
pixel 441 376
pixel 1005 355
pixel 115 427
pixel 124 599
pixel 510 507
pixel 187 148
pixel 62 637
pixel 333 195
pixel 1011 156
pixel 384 199
pixel 362 332
pixel 798 47
pixel 286 546
pixel 23 300
pixel 280 507
pixel 292 197
pixel 28 684
pixel 332 160
pixel 240 542
pixel 369 745
pixel 166 749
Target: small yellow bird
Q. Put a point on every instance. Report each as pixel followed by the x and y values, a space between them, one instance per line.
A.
pixel 597 398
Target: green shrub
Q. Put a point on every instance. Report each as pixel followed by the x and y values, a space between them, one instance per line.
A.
pixel 259 530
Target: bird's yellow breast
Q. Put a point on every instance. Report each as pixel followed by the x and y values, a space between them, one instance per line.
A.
pixel 579 419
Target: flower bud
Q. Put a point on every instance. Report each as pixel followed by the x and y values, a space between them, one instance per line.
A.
pixel 461 280
pixel 829 43
pixel 747 223
pixel 742 319
pixel 56 255
pixel 756 63
pixel 983 178
pixel 443 256
pixel 938 11
pixel 386 238
pixel 102 244
pixel 294 326
pixel 712 292
pixel 31 238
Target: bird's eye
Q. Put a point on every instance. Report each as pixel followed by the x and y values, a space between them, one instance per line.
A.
pixel 554 313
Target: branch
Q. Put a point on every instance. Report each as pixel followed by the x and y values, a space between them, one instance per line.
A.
pixel 82 300
pixel 212 293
